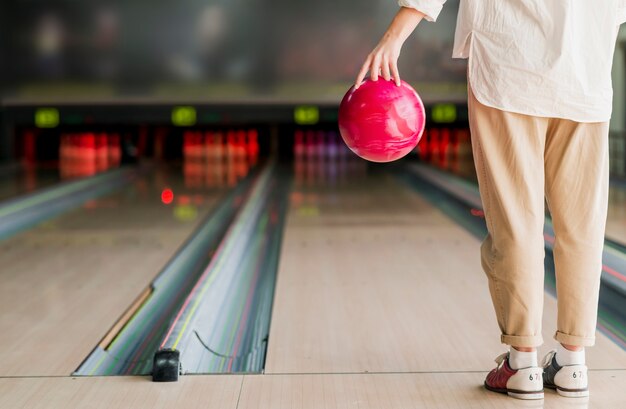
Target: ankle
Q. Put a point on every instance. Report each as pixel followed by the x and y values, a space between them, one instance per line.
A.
pixel 574 348
pixel 524 349
pixel 519 359
pixel 566 356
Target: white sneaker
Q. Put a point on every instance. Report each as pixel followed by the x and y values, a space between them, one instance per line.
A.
pixel 568 380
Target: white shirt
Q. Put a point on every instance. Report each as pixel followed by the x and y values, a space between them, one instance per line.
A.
pixel 549 58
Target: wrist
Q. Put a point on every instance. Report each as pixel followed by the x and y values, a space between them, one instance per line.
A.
pixel 393 35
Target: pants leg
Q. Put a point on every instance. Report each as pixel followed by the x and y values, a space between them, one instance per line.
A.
pixel 577 189
pixel 508 153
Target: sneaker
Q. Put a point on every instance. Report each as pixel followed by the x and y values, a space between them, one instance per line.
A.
pixel 568 380
pixel 525 383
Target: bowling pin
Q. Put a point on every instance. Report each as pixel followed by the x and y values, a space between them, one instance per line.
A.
pixel 102 155
pixel 298 145
pixel 219 170
pixel 218 147
pixel 200 148
pixel 62 154
pixel 321 142
pixel 253 146
pixel 333 147
pixel 230 146
pixel 310 145
pixel 434 145
pixel 231 175
pixel 321 157
pixel 209 148
pixel 30 148
pixel 444 143
pixel 86 154
pixel 187 142
pixel 422 146
pixel 240 145
pixel 115 150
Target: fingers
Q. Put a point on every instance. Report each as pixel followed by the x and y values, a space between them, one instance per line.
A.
pixel 395 73
pixel 385 69
pixel 378 64
pixel 363 72
pixel 375 68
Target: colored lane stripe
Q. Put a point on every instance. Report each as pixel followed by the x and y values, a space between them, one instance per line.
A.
pixel 213 271
pixel 614 273
pixel 243 321
pixel 132 351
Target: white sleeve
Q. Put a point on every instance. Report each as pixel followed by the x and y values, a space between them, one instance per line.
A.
pixel 431 8
pixel 621 11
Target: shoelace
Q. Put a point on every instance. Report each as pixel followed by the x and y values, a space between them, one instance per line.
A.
pixel 548 358
pixel 500 358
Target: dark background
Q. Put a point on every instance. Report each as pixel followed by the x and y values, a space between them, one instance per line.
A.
pixel 211 49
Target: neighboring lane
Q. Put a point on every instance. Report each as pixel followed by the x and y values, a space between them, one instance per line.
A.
pixel 16 180
pixel 65 282
pixel 373 278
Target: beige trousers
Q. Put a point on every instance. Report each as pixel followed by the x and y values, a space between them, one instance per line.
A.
pixel 519 158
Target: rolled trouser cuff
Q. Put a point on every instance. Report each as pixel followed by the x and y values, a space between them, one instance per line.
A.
pixel 574 340
pixel 528 341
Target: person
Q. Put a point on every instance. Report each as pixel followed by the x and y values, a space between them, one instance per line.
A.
pixel 539 102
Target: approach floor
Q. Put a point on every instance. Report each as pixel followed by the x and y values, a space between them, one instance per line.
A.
pixel 380 303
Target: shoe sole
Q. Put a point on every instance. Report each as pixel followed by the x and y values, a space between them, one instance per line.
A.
pixel 573 393
pixel 523 395
pixel 569 393
pixel 526 395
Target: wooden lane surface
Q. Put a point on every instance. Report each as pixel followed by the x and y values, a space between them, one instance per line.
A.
pixel 456 390
pixel 64 283
pixel 377 280
pixel 192 392
pixel 342 306
pixel 407 391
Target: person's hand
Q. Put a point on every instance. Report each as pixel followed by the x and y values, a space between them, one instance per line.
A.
pixel 383 60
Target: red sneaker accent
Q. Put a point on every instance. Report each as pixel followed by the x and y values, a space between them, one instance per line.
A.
pixel 497 379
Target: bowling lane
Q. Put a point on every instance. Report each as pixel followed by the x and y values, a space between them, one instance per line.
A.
pixel 120 392
pixel 295 391
pixel 17 180
pixel 372 278
pixel 616 223
pixel 65 282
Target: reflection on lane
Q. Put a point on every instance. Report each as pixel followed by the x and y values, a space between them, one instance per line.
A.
pixel 23 179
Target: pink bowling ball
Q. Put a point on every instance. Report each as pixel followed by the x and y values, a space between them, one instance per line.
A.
pixel 380 121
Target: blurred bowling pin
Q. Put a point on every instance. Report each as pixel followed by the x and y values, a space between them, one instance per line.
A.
pixel 298 145
pixel 253 146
